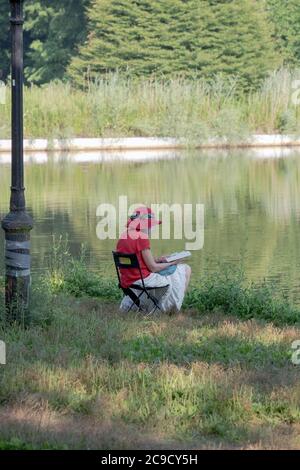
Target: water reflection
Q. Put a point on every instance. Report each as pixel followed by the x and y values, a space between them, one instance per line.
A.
pixel 252 204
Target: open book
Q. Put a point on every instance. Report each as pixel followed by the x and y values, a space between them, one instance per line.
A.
pixel 177 256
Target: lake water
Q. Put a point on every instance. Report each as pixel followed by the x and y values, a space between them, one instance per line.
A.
pixel 251 198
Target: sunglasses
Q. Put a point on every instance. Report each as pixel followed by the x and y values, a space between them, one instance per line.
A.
pixel 141 216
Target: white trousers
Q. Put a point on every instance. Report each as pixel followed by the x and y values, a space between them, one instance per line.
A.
pixel 172 299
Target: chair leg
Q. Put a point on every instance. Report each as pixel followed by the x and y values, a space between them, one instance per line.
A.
pixel 155 302
pixel 149 297
pixel 153 310
pixel 133 303
pixel 156 305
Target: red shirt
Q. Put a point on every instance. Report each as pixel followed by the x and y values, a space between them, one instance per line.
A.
pixel 135 243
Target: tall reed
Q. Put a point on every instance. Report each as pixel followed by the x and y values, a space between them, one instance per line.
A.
pixel 194 110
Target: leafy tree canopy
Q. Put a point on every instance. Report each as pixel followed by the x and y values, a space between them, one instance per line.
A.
pixel 4 39
pixel 285 16
pixel 56 29
pixel 189 37
pixel 53 31
pixel 85 38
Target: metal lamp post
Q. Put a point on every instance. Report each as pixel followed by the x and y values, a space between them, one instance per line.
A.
pixel 17 224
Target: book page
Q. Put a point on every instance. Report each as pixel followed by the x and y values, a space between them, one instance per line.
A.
pixel 177 256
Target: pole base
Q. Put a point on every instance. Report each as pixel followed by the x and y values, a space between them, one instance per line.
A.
pixel 17 226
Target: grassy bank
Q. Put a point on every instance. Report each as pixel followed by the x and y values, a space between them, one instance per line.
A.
pixel 90 378
pixel 193 110
pixel 85 376
pixel 225 290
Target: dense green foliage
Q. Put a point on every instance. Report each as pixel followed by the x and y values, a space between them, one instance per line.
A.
pixel 56 28
pixel 286 18
pixel 53 31
pixel 193 38
pixel 83 38
pixel 4 39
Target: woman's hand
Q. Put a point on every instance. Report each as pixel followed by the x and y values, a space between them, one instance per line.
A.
pixel 161 259
pixel 152 263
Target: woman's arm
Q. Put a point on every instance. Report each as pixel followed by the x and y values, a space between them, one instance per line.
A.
pixel 152 265
pixel 161 259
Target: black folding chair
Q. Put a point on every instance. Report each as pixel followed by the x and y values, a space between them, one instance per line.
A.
pixel 130 261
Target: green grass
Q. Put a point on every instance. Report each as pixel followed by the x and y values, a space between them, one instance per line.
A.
pixel 83 375
pixel 92 378
pixel 17 444
pixel 192 110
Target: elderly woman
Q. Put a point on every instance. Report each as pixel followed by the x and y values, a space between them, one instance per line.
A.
pixel 155 272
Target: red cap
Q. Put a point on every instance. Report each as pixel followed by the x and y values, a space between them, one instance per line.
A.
pixel 143 218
